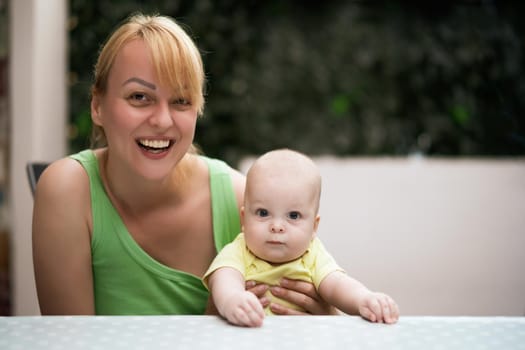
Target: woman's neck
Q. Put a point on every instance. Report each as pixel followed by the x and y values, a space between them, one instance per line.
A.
pixel 137 194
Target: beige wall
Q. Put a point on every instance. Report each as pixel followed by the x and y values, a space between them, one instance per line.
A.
pixel 442 236
pixel 37 101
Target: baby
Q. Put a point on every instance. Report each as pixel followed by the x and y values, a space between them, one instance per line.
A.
pixel 279 223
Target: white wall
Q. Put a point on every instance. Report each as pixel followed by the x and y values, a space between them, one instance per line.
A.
pixel 37 86
pixel 442 236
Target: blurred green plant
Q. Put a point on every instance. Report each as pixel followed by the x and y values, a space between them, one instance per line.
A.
pixel 344 78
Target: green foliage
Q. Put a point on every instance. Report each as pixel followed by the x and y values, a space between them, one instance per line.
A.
pixel 340 105
pixel 344 78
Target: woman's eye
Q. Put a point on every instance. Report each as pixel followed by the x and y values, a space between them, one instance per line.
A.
pixel 294 215
pixel 261 212
pixel 182 101
pixel 138 98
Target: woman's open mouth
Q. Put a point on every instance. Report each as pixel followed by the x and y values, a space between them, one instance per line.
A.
pixel 155 146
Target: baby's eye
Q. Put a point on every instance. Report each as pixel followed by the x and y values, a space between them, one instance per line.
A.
pixel 261 212
pixel 294 215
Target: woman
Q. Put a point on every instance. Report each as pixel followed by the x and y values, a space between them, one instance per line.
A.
pixel 130 227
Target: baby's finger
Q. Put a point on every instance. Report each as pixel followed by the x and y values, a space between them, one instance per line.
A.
pixel 238 317
pixel 256 315
pixel 375 307
pixel 249 315
pixel 368 314
pixel 394 310
pixel 253 319
pixel 385 303
pixel 391 310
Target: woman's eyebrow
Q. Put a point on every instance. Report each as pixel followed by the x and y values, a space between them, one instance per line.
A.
pixel 140 81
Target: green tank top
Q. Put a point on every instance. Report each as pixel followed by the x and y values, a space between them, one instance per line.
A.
pixel 126 280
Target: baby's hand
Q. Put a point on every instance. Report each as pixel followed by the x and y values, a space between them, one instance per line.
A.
pixel 244 309
pixel 379 307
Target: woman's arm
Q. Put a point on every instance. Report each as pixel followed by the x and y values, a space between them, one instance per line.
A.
pixel 61 240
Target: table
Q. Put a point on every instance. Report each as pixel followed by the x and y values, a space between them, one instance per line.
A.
pixel 278 332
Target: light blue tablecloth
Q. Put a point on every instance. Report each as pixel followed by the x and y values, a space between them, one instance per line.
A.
pixel 278 332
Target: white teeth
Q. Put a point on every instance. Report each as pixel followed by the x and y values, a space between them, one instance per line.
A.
pixel 155 143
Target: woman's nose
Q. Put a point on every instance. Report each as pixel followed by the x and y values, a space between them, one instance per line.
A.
pixel 162 118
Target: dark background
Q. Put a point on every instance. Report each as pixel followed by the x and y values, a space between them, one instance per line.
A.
pixel 346 78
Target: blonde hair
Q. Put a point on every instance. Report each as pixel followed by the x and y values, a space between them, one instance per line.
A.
pixel 177 60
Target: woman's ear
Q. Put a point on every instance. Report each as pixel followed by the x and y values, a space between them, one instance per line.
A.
pixel 95 110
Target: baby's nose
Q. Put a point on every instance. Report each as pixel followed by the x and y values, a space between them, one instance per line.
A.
pixel 277 227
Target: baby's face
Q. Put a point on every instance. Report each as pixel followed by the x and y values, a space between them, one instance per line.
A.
pixel 279 218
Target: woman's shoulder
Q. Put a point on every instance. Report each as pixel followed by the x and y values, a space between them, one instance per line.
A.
pixel 65 177
pixel 62 201
pixel 238 179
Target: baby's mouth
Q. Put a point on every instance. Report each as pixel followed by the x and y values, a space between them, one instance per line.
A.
pixel 155 146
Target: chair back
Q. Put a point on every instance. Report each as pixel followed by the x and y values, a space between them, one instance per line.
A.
pixel 34 170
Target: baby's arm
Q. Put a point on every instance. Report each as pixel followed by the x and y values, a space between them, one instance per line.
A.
pixel 352 297
pixel 237 305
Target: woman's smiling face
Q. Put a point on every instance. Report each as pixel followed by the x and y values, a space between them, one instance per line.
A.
pixel 147 124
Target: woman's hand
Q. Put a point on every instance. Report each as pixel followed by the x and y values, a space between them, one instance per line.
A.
pixel 302 294
pixel 259 290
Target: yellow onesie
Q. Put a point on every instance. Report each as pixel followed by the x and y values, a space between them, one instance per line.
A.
pixel 313 266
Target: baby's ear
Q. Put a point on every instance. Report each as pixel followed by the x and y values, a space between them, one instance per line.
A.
pixel 242 218
pixel 316 225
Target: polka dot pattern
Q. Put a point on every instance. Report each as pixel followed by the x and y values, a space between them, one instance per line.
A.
pixel 278 332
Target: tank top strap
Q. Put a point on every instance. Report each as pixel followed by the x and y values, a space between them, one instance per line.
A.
pixel 102 208
pixel 226 220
